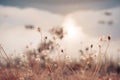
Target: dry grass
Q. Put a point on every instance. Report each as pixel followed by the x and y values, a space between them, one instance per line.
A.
pixel 37 65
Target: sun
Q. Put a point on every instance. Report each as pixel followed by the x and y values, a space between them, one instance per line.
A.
pixel 71 28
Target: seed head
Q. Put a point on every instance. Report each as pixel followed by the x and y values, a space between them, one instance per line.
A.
pixel 45 37
pixel 91 45
pixel 86 48
pixel 109 37
pixel 62 51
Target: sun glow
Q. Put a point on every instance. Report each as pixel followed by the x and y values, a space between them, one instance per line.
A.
pixel 71 28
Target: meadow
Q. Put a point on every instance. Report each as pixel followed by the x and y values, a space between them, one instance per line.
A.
pixel 36 64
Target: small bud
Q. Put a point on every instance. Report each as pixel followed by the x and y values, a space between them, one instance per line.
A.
pixel 109 37
pixel 86 48
pixel 91 46
pixel 62 51
pixel 45 37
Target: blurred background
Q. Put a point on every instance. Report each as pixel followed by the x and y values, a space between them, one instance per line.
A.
pixel 84 21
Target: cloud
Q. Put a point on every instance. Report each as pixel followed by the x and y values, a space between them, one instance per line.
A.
pixel 14 36
pixel 90 22
pixel 17 16
pixel 56 1
pixel 12 21
pixel 63 6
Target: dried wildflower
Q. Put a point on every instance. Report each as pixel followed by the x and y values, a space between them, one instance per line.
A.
pixel 46 46
pixel 58 32
pixel 45 37
pixel 61 36
pixel 91 45
pixel 86 48
pixel 109 37
pixel 62 51
pixel 81 51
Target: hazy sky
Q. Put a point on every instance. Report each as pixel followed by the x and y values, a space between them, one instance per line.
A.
pixel 15 14
pixel 63 6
